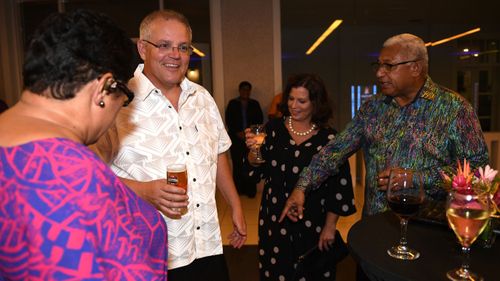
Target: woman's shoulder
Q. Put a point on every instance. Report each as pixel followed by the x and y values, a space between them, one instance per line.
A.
pixel 57 151
pixel 50 145
pixel 54 160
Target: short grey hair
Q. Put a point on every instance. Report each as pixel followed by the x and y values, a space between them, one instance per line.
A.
pixel 145 31
pixel 412 45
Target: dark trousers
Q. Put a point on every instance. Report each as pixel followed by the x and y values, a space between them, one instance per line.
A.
pixel 207 268
pixel 243 183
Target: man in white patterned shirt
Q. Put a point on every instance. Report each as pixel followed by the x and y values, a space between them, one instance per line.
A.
pixel 173 120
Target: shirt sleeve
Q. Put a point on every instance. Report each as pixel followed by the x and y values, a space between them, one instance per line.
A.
pixel 224 140
pixel 467 137
pixel 326 162
pixel 466 141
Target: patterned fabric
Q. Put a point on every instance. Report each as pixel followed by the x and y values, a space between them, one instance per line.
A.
pixel 65 215
pixel 280 244
pixel 150 134
pixel 430 134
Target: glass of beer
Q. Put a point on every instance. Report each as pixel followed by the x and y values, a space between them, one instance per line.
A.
pixel 177 175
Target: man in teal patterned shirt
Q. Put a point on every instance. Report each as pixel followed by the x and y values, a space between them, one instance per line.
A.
pixel 415 123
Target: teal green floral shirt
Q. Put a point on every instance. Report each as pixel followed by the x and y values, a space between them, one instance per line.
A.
pixel 430 134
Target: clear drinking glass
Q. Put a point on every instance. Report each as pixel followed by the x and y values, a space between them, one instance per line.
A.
pixel 467 213
pixel 260 134
pixel 405 194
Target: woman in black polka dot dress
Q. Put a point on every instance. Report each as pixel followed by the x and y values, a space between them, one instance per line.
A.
pixel 289 146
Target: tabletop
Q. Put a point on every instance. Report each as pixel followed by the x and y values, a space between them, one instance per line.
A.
pixel 439 249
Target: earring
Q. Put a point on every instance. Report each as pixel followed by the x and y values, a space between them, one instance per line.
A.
pixel 101 104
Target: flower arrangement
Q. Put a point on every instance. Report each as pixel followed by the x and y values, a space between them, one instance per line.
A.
pixel 466 180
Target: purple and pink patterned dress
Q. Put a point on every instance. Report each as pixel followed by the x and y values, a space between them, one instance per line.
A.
pixel 64 215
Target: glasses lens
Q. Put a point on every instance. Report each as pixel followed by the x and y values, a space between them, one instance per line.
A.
pixel 183 48
pixel 165 47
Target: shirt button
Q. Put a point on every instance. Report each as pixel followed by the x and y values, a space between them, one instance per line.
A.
pixel 187 152
pixel 197 205
pixel 194 179
pixel 169 106
pixel 198 228
pixel 180 127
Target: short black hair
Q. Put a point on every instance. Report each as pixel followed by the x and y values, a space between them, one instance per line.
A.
pixel 322 113
pixel 70 49
pixel 245 84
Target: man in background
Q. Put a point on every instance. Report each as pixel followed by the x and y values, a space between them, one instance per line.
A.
pixel 241 113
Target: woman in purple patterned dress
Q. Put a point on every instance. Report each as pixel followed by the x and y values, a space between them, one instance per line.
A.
pixel 64 214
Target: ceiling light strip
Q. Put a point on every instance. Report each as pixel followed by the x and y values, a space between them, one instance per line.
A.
pixel 198 52
pixel 453 37
pixel 323 36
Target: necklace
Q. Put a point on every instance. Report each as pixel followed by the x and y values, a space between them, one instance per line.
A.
pixel 313 127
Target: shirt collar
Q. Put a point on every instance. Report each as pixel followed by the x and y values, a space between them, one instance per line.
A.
pixel 428 91
pixel 143 87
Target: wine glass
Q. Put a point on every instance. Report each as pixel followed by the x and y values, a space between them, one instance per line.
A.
pixel 467 213
pixel 405 194
pixel 260 134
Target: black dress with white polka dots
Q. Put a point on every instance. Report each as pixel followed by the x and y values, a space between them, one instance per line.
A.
pixel 280 244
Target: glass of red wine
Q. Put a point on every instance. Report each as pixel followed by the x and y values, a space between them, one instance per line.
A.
pixel 405 194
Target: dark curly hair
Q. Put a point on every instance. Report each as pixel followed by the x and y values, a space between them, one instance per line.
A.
pixel 68 50
pixel 321 113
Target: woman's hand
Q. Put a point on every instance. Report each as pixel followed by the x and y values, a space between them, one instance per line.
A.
pixel 327 235
pixel 250 142
pixel 249 138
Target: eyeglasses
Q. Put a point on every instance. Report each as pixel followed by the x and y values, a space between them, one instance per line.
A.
pixel 113 85
pixel 388 67
pixel 167 46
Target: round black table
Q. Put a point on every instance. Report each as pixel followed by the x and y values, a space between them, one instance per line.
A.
pixel 439 249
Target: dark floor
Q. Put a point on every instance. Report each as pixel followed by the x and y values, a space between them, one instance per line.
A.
pixel 243 265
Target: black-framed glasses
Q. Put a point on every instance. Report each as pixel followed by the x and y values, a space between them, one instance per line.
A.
pixel 167 46
pixel 388 67
pixel 113 85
